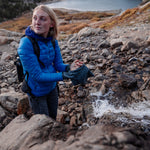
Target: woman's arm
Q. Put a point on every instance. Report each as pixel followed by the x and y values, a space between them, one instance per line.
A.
pixel 58 62
pixel 32 66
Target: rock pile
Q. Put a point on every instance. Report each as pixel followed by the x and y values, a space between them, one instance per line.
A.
pixel 41 132
pixel 119 64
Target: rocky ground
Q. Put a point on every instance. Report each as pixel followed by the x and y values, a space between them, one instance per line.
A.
pixel 120 61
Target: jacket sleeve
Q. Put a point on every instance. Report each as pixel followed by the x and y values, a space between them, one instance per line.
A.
pixel 58 62
pixel 32 66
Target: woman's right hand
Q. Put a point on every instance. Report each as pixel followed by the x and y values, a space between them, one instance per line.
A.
pixel 75 65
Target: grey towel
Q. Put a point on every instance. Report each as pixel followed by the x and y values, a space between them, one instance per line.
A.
pixel 79 76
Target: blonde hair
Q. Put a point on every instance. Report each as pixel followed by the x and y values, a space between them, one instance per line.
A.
pixel 53 31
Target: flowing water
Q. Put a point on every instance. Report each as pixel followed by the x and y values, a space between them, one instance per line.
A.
pixel 139 112
pixel 96 5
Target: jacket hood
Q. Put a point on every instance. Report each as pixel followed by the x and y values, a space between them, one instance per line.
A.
pixel 31 33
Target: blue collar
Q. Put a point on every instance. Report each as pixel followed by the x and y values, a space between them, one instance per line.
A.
pixel 31 33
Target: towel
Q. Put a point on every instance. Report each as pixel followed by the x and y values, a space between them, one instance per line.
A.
pixel 78 76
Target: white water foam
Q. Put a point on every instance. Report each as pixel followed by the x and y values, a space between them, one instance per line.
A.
pixel 136 110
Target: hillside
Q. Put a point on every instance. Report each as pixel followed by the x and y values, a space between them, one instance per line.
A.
pixel 138 15
pixel 72 21
pixel 12 8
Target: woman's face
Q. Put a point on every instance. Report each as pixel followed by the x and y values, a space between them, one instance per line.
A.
pixel 41 22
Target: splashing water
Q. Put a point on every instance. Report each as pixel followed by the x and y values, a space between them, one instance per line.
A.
pixel 136 110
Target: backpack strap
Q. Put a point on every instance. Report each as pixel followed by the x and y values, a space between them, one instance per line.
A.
pixel 53 43
pixel 36 49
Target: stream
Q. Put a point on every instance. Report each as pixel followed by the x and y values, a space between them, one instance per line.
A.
pixel 134 113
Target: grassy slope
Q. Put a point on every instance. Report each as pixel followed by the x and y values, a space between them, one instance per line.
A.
pixel 129 17
pixel 73 22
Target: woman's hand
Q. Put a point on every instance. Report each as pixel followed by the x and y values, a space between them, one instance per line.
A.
pixel 75 65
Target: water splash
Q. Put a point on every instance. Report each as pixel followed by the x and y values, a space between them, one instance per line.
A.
pixel 136 110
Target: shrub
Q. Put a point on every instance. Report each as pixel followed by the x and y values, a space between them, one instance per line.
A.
pixel 12 8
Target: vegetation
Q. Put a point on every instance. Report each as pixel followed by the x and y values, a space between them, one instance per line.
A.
pixel 18 24
pixel 79 20
pixel 72 28
pixel 12 8
pixel 72 22
pixel 128 17
pixel 83 15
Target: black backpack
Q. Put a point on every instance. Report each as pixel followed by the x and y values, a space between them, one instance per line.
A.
pixel 18 63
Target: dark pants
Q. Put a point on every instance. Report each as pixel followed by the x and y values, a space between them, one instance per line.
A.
pixel 45 104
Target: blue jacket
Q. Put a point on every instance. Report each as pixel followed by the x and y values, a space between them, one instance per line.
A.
pixel 42 79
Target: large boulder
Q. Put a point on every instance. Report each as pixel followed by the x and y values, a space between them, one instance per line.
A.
pixel 23 134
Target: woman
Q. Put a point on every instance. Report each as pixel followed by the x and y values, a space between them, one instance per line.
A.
pixel 42 79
